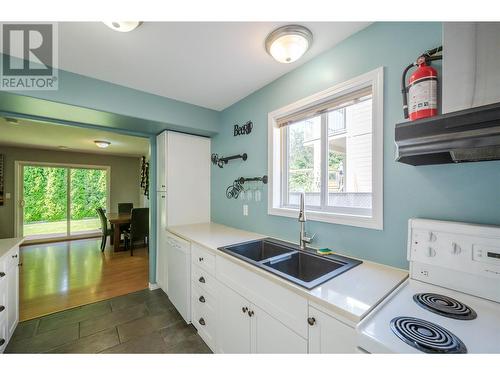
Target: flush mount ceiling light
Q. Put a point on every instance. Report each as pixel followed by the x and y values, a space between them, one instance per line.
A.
pixel 288 43
pixel 123 26
pixel 102 144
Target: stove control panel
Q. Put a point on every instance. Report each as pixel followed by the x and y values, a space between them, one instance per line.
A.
pixel 457 255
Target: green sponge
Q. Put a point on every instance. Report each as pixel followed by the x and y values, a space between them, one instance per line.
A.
pixel 325 251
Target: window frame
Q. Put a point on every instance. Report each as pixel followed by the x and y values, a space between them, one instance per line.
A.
pixel 277 151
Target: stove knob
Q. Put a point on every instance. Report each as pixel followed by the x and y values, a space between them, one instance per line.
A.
pixel 431 252
pixel 455 248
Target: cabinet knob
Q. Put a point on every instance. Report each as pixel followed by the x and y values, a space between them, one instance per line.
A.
pixel 202 321
pixel 2 341
pixel 2 308
pixel 250 313
pixel 2 274
pixel 244 309
pixel 14 256
pixel 311 321
pixel 201 299
pixel 201 280
pixel 200 259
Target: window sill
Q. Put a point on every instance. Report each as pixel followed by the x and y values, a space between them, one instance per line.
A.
pixel 331 218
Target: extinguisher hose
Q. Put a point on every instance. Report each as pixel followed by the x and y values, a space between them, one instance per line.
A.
pixel 404 91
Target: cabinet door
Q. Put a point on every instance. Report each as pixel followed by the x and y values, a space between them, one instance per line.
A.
pixel 271 336
pixel 233 322
pixel 161 162
pixel 329 335
pixel 12 298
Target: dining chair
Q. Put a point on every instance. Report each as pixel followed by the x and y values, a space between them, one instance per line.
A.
pixel 139 228
pixel 125 208
pixel 104 228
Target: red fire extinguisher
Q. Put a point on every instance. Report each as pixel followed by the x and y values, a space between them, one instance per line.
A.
pixel 420 96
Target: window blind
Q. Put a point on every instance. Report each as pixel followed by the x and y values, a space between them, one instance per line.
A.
pixel 325 106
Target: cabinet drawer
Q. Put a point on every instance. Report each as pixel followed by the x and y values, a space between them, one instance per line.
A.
pixel 203 258
pixel 204 280
pixel 202 299
pixel 3 334
pixel 3 301
pixel 12 259
pixel 205 322
pixel 278 301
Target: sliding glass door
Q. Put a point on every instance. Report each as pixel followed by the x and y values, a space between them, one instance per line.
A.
pixel 61 201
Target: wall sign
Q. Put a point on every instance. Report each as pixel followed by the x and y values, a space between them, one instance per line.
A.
pixel 246 128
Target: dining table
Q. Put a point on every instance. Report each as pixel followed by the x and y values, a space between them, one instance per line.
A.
pixel 117 220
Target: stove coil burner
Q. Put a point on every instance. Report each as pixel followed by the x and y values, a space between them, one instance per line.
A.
pixel 445 306
pixel 426 336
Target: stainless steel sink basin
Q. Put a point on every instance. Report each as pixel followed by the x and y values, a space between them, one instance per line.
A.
pixel 302 267
pixel 258 250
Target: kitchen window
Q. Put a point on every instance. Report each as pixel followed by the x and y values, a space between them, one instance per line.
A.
pixel 329 146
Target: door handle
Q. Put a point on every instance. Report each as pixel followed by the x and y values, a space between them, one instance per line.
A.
pixel 201 299
pixel 250 313
pixel 202 321
pixel 2 308
pixel 311 321
pixel 201 280
pixel 200 259
pixel 244 309
pixel 2 274
pixel 14 256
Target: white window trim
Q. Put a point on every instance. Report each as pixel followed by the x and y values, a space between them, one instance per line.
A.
pixel 374 78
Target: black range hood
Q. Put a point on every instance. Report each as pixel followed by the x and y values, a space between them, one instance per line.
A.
pixel 457 137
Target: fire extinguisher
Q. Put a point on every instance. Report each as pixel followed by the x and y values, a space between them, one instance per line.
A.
pixel 421 92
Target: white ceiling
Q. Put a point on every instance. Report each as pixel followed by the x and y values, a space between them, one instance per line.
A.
pixel 208 64
pixel 75 139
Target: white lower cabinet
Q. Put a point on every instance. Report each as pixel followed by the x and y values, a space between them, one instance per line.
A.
pixel 242 327
pixel 236 310
pixel 9 296
pixel 270 336
pixel 233 322
pixel 329 335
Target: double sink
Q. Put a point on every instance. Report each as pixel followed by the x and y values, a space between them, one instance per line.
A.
pixel 302 267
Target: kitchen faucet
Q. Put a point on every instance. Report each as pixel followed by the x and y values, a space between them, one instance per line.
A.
pixel 302 220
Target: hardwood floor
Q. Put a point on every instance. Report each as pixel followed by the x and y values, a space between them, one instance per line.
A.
pixel 62 275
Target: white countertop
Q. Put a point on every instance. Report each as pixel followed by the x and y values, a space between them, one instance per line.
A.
pixel 7 244
pixel 351 295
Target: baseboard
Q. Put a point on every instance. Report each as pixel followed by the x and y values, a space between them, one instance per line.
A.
pixel 153 286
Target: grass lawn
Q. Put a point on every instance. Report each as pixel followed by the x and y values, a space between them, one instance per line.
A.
pixel 58 227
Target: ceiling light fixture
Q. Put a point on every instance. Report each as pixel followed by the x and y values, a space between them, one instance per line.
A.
pixel 288 43
pixel 102 144
pixel 123 26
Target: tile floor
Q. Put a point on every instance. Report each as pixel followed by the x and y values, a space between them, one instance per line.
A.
pixel 140 322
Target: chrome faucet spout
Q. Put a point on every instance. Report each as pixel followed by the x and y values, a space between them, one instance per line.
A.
pixel 302 212
pixel 303 239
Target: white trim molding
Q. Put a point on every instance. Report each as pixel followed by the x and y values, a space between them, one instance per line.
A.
pixel 375 79
pixel 153 286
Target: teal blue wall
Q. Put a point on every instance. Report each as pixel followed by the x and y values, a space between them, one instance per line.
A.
pixel 466 192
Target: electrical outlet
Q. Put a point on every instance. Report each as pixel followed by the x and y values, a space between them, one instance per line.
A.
pixel 245 210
